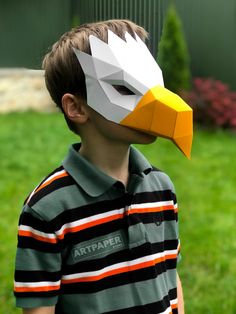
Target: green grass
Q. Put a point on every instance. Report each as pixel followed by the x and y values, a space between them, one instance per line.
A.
pixel 32 144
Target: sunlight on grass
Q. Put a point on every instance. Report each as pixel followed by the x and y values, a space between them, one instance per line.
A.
pixel 33 144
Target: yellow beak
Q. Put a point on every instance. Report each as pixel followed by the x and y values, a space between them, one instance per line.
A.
pixel 163 113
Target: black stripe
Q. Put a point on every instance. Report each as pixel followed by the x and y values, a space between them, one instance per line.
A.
pixel 91 209
pixel 154 196
pixel 88 233
pixel 60 168
pixel 49 227
pixel 151 308
pixel 90 287
pixel 112 226
pixel 93 232
pixel 119 279
pixel 28 219
pixel 55 185
pixel 31 243
pixel 173 294
pixel 152 217
pixel 44 179
pixel 71 238
pixel 36 276
pixel 47 294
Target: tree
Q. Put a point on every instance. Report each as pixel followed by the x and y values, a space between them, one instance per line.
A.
pixel 173 56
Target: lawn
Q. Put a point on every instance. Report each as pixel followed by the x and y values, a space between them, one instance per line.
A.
pixel 32 144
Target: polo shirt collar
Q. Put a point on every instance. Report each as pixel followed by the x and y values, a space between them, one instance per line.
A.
pixel 94 181
pixel 138 164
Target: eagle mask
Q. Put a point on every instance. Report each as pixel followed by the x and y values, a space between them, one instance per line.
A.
pixel 125 85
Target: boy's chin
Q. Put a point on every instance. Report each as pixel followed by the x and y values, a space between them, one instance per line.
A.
pixel 146 139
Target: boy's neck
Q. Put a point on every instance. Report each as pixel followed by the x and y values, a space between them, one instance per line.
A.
pixel 111 159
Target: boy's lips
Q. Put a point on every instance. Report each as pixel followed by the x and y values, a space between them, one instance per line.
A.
pixel 163 113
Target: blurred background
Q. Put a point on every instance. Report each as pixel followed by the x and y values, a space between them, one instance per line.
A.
pixel 194 42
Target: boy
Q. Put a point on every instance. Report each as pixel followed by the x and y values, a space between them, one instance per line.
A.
pixel 100 234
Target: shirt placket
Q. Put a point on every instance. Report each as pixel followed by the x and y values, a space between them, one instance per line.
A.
pixel 137 234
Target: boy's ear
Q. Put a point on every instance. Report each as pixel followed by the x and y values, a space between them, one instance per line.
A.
pixel 74 108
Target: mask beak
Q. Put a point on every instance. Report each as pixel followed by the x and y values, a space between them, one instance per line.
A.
pixel 163 113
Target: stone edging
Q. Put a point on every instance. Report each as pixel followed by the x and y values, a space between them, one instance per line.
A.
pixel 23 89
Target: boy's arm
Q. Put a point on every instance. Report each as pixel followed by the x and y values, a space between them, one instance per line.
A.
pixel 180 296
pixel 40 310
pixel 38 264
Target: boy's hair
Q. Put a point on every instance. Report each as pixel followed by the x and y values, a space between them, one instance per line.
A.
pixel 63 73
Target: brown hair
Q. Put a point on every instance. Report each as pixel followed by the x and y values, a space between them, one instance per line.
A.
pixel 63 73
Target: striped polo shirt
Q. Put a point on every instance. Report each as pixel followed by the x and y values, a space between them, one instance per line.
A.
pixel 88 244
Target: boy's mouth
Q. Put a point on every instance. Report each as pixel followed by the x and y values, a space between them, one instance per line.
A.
pixel 163 113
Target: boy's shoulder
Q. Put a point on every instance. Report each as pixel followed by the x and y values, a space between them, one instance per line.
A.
pixel 161 179
pixel 49 192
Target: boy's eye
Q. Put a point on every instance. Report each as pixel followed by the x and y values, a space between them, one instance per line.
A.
pixel 123 90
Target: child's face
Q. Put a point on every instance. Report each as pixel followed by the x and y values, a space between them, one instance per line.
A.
pixel 117 133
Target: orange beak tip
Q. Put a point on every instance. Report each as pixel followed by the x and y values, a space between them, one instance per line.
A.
pixel 184 144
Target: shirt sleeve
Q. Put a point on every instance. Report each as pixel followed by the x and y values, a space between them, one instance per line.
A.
pixel 38 262
pixel 176 208
pixel 177 223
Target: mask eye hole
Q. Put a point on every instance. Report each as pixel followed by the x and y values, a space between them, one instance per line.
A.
pixel 123 90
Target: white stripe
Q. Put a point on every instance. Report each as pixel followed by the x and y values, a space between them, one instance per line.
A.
pixel 84 221
pixel 54 175
pixel 29 198
pixel 178 244
pixel 36 284
pixel 36 232
pixel 152 205
pixel 41 183
pixel 174 302
pixel 170 252
pixel 90 219
pixel 120 265
pixel 167 311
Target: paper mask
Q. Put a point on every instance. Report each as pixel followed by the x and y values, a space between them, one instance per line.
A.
pixel 119 67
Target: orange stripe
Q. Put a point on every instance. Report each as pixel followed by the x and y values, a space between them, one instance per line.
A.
pixel 90 224
pixel 151 209
pixel 61 175
pixel 93 223
pixel 120 270
pixel 111 218
pixel 36 289
pixel 174 306
pixel 24 233
pixel 45 184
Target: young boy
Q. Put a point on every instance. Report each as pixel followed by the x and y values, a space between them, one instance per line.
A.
pixel 100 234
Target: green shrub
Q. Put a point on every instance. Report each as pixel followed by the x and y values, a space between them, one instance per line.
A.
pixel 173 56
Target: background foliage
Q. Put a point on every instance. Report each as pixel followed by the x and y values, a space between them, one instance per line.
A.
pixel 34 144
pixel 173 56
pixel 213 102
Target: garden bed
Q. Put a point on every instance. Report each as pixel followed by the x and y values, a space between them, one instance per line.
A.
pixel 22 90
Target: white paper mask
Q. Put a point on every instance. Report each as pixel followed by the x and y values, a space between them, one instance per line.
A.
pixel 147 105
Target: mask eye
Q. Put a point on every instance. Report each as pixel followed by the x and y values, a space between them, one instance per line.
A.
pixel 123 90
